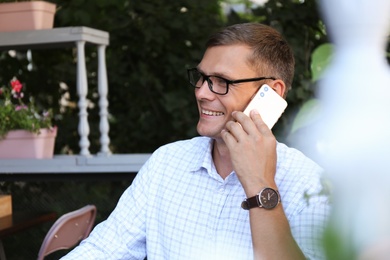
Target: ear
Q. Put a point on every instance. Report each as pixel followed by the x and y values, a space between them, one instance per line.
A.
pixel 279 87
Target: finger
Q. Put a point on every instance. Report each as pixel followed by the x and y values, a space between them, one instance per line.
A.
pixel 233 126
pixel 235 129
pixel 244 121
pixel 228 138
pixel 258 121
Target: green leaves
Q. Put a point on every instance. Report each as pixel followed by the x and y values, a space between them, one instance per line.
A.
pixel 320 60
pixel 310 110
pixel 306 115
pixel 15 115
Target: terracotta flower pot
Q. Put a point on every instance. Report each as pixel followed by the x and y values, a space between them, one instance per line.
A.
pixel 29 15
pixel 5 205
pixel 24 144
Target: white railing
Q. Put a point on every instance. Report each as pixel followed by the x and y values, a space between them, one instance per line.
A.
pixel 104 161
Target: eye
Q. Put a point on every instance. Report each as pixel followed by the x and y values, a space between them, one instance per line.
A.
pixel 198 78
pixel 219 81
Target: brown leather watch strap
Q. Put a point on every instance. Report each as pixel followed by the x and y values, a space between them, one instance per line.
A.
pixel 251 202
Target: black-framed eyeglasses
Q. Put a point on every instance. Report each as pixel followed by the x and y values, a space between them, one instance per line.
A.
pixel 217 85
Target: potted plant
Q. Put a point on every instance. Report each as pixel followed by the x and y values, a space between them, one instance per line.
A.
pixel 24 132
pixel 26 15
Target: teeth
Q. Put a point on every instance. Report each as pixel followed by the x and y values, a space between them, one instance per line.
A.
pixel 212 113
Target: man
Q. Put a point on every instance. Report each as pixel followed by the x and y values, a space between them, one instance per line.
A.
pixel 189 200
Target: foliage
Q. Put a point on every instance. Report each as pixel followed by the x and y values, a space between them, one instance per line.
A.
pixel 11 1
pixel 309 113
pixel 16 114
pixel 151 44
pixel 321 58
pixel 161 40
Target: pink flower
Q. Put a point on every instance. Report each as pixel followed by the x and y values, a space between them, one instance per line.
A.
pixel 16 85
pixel 17 95
pixel 22 107
pixel 46 114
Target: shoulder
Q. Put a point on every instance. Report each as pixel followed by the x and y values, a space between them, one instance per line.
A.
pixel 294 160
pixel 189 145
pixel 172 159
pixel 297 174
pixel 179 154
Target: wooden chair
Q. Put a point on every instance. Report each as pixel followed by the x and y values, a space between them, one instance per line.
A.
pixel 68 230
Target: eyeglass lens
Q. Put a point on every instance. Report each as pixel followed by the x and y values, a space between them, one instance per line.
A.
pixel 216 84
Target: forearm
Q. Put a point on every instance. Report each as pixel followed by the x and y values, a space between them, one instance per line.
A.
pixel 271 235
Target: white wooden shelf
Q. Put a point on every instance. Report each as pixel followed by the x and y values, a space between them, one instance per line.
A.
pixel 122 163
pixel 52 38
pixel 105 161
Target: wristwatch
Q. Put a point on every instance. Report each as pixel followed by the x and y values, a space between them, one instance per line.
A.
pixel 267 198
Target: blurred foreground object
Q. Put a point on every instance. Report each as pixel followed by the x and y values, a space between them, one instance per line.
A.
pixel 353 137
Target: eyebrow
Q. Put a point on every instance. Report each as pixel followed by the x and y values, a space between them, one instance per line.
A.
pixel 214 74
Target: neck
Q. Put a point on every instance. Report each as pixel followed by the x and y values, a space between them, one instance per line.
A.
pixel 221 158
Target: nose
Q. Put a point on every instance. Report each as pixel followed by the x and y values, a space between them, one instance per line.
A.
pixel 204 91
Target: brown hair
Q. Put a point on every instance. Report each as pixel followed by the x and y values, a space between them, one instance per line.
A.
pixel 271 52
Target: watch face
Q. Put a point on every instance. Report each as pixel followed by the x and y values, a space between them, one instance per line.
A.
pixel 269 198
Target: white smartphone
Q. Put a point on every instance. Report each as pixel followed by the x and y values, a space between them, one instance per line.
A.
pixel 269 104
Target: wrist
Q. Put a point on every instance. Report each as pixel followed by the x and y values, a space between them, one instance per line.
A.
pixel 252 187
pixel 267 198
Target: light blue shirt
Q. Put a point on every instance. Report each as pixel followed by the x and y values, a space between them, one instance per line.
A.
pixel 178 207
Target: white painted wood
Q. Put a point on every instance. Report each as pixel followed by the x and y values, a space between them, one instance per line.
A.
pixel 75 164
pixel 54 38
pixel 82 91
pixel 103 101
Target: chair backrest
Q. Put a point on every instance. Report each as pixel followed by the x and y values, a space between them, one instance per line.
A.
pixel 68 230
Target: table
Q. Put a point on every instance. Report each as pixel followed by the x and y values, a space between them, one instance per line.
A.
pixel 20 221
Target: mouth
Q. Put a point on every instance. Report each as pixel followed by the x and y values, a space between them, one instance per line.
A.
pixel 212 113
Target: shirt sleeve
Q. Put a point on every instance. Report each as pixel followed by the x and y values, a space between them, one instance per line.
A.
pixel 309 224
pixel 122 235
pixel 305 194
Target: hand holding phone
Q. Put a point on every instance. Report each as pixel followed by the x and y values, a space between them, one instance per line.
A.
pixel 269 104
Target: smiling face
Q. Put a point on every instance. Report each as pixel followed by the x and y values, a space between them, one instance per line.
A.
pixel 229 62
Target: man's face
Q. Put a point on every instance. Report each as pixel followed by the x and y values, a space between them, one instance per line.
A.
pixel 215 110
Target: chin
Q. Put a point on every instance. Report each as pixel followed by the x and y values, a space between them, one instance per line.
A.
pixel 212 133
pixel 202 130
